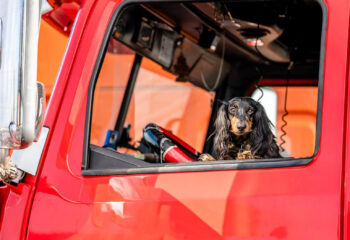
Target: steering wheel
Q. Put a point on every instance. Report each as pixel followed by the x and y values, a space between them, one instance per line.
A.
pixel 169 147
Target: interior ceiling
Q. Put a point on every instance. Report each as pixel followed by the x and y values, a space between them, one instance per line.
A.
pixel 289 30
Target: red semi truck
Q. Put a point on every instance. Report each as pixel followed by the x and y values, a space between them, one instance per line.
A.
pixel 96 172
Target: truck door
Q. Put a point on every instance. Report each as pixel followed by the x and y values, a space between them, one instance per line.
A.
pixel 173 64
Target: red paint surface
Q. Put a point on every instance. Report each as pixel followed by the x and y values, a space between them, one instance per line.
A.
pixel 284 203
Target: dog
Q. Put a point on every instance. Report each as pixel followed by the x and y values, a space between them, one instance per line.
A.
pixel 242 131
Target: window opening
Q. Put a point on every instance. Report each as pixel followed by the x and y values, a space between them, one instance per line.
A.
pixel 191 50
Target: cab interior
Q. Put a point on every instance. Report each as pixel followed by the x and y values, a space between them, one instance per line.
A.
pixel 174 63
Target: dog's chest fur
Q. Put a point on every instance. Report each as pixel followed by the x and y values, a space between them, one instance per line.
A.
pixel 240 149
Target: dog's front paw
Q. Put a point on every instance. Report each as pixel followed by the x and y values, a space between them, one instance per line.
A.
pixel 246 155
pixel 205 157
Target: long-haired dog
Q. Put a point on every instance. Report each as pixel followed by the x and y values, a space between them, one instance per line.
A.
pixel 242 131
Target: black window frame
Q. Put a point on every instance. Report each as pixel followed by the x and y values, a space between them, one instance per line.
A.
pixel 110 159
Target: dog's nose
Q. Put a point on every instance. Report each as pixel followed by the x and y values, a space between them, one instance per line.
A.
pixel 241 126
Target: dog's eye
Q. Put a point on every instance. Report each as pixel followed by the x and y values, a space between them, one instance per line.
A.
pixel 250 111
pixel 233 108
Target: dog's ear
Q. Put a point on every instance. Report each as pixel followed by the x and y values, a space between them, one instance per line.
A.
pixel 262 139
pixel 222 129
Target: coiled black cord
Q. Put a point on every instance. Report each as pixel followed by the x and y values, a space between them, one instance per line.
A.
pixel 285 123
pixel 257 86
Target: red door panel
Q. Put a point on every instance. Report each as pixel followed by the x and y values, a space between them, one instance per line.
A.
pixel 283 203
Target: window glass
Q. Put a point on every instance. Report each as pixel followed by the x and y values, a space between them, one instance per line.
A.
pixel 188 71
pixel 301 119
pixel 300 126
pixel 181 108
pixel 109 91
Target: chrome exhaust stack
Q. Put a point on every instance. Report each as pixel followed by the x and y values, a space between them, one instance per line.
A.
pixel 20 100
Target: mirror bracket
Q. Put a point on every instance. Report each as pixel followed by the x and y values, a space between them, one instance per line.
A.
pixel 8 171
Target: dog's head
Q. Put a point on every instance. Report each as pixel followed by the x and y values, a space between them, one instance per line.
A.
pixel 244 117
pixel 241 116
pixel 240 113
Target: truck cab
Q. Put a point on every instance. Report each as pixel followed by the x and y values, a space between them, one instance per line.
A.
pixel 131 66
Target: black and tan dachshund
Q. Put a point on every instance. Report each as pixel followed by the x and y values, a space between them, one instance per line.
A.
pixel 242 131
